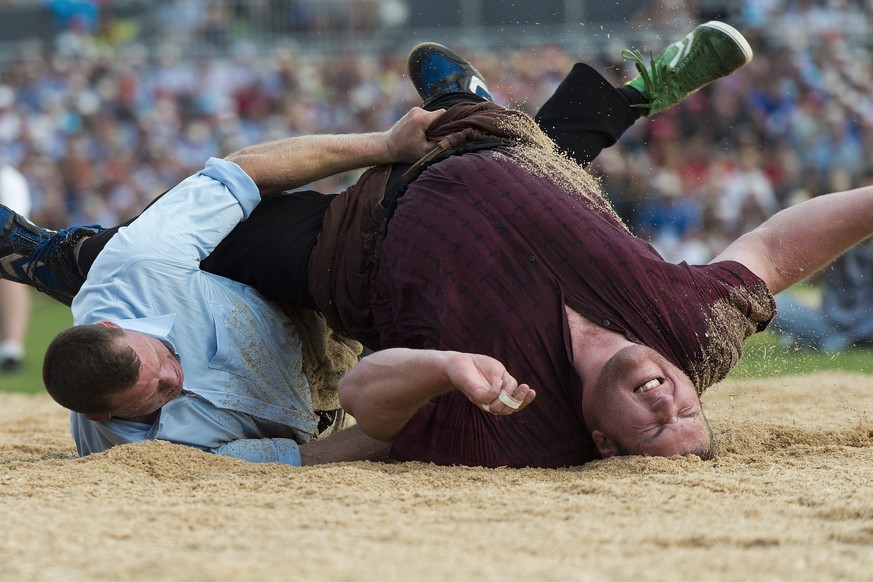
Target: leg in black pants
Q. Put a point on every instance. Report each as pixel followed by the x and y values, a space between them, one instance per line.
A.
pixel 269 251
pixel 586 114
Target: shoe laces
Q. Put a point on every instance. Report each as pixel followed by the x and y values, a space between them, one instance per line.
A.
pixel 656 78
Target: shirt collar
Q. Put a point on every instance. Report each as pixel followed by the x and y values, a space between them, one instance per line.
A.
pixel 158 327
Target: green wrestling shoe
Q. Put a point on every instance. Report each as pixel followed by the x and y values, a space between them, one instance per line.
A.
pixel 709 52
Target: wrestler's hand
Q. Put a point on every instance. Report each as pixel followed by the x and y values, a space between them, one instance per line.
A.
pixel 406 140
pixel 487 384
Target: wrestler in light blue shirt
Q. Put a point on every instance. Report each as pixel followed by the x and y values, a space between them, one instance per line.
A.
pixel 245 394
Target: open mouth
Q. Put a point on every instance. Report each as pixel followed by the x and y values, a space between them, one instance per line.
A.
pixel 649 385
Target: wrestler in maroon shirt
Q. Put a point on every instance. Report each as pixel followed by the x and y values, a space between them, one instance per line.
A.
pixel 510 289
pixel 485 257
pixel 522 325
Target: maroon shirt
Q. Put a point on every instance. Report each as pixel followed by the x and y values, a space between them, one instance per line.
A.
pixel 482 255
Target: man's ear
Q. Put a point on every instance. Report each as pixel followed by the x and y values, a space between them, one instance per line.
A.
pixel 604 444
pixel 108 324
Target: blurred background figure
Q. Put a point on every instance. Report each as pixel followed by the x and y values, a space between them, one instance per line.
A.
pixel 14 297
pixel 845 317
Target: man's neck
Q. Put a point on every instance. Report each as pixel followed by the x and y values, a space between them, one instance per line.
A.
pixel 592 345
pixel 145 419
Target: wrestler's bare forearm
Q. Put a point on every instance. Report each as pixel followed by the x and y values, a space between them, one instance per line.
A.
pixel 798 241
pixel 290 163
pixel 386 388
pixel 350 444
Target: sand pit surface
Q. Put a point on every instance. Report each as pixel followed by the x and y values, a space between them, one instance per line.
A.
pixel 789 498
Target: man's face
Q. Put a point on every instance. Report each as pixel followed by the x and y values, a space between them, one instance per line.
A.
pixel 644 405
pixel 159 381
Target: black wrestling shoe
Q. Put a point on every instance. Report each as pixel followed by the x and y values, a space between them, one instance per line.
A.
pixel 436 70
pixel 39 257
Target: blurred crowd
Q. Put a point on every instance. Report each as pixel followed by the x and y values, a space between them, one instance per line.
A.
pixel 98 136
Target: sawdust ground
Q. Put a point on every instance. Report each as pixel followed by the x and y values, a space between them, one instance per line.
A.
pixel 790 497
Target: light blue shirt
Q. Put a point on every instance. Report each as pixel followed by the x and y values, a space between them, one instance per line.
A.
pixel 245 394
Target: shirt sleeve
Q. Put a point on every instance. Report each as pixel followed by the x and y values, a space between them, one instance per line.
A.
pixel 277 450
pixel 95 437
pixel 189 221
pixel 744 291
pixel 192 421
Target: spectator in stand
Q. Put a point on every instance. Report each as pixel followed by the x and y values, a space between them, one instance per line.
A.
pixel 747 197
pixel 80 93
pixel 844 318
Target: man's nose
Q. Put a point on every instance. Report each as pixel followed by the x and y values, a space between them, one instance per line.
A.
pixel 665 407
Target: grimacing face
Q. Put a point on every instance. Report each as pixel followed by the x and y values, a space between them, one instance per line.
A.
pixel 159 381
pixel 644 405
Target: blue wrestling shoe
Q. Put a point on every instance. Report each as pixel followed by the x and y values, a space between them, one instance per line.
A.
pixel 39 257
pixel 436 70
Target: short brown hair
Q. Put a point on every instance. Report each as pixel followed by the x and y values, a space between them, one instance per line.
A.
pixel 86 364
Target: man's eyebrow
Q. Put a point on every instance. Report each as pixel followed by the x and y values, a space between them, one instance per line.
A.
pixel 656 434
